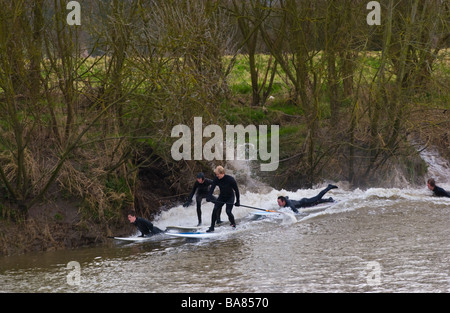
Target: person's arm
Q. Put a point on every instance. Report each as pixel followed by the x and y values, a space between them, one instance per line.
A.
pixel 208 182
pixel 291 204
pixel 144 226
pixel 210 197
pixel 189 199
pixel 148 224
pixel 236 191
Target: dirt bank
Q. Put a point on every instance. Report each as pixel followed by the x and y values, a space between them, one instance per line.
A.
pixel 62 223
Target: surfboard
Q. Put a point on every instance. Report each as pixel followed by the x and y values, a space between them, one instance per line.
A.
pixel 263 213
pixel 135 239
pixel 183 228
pixel 196 235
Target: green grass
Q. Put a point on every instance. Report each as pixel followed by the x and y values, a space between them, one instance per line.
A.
pixel 240 78
pixel 289 108
pixel 245 115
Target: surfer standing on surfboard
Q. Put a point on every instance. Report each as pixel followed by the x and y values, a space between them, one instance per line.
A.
pixel 305 202
pixel 144 226
pixel 228 189
pixel 202 187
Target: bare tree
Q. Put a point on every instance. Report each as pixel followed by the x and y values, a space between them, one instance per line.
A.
pixel 250 15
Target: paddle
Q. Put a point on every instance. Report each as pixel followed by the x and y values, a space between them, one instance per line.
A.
pixel 291 216
pixel 245 206
pixel 259 209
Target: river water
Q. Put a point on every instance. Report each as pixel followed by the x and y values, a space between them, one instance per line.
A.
pixel 375 240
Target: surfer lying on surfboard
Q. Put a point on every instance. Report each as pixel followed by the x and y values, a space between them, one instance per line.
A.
pixel 305 202
pixel 438 191
pixel 144 226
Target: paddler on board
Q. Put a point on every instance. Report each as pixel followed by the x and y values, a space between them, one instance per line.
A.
pixel 437 191
pixel 305 202
pixel 228 191
pixel 201 186
pixel 144 226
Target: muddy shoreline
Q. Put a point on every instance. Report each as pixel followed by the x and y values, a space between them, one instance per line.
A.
pixel 57 227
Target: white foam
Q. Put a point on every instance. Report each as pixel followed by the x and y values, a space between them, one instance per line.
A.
pixel 438 167
pixel 257 194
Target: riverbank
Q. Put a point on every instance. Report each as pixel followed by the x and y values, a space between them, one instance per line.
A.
pixel 90 113
pixel 107 174
pixel 62 223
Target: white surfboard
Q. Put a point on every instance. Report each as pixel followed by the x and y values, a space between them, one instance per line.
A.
pixel 136 239
pixel 183 228
pixel 263 213
pixel 196 235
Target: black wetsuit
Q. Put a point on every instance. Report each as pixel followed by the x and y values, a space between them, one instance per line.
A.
pixel 309 202
pixel 228 189
pixel 439 192
pixel 146 227
pixel 202 192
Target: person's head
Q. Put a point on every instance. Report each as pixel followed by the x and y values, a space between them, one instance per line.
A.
pixel 431 183
pixel 220 172
pixel 132 216
pixel 281 201
pixel 200 177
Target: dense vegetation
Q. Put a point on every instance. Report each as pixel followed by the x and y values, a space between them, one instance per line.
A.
pixel 86 112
